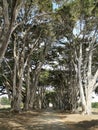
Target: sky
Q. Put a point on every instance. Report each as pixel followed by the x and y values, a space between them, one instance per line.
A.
pixel 55 6
pixel 94 97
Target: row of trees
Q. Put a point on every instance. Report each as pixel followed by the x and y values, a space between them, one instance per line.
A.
pixel 34 37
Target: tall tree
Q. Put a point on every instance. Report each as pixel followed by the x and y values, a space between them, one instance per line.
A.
pixel 10 11
pixel 87 40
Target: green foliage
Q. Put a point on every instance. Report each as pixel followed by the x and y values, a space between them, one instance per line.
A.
pixel 95 105
pixel 5 101
pixel 50 96
pixel 58 24
pixel 45 5
pixel 44 76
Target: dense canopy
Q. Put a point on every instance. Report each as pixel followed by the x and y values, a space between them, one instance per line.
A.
pixel 48 53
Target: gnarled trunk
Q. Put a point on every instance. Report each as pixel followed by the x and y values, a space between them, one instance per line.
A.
pixel 9 24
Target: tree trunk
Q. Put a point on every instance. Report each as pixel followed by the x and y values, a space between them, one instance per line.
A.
pixel 27 98
pixel 17 78
pixel 17 94
pixel 9 24
pixel 82 96
pixel 89 89
pixel 35 82
pixel 90 81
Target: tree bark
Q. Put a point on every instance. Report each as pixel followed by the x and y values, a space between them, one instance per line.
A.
pixel 9 25
pixel 34 85
pixel 82 96
pixel 18 78
pixel 27 98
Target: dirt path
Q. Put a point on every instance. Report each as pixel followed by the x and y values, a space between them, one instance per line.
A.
pixel 51 121
pixel 47 120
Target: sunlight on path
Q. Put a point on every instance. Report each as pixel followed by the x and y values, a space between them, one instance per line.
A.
pixel 48 120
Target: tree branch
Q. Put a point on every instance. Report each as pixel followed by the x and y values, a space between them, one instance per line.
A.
pixel 95 86
pixel 32 49
pixel 5 13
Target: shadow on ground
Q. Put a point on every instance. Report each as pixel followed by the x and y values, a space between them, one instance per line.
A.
pixel 32 121
pixel 47 120
pixel 87 125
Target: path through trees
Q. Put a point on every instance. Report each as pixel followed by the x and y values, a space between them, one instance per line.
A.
pixel 47 120
pixel 43 47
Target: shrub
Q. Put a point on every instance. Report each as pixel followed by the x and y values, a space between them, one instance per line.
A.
pixel 5 101
pixel 95 105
